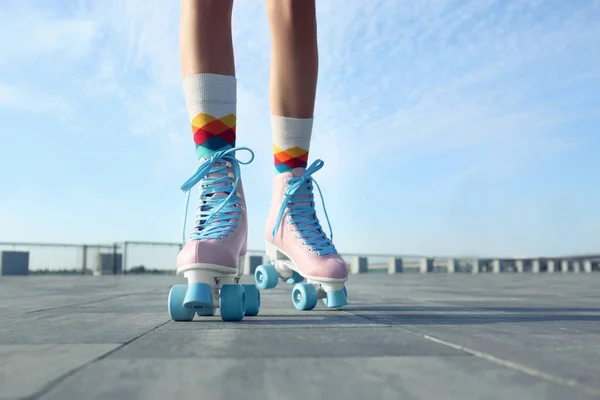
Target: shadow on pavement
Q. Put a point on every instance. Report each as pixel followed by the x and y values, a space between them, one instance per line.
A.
pixel 401 308
pixel 452 315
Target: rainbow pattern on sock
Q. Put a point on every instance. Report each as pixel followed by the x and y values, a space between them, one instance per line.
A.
pixel 287 160
pixel 213 134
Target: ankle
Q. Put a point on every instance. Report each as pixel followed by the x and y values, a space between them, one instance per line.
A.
pixel 291 142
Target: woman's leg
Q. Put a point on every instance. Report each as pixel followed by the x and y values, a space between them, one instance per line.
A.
pixel 217 244
pixel 294 57
pixel 207 65
pixel 294 69
pixel 296 232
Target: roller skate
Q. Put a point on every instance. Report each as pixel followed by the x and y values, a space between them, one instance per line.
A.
pixel 298 248
pixel 212 260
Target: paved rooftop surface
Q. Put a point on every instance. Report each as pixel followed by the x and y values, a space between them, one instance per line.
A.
pixel 406 337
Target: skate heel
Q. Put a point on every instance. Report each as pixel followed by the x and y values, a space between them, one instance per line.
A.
pixel 295 278
pixel 199 297
pixel 336 299
pixel 272 251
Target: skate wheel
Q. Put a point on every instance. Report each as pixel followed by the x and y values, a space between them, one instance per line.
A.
pixel 295 278
pixel 177 311
pixel 252 300
pixel 199 298
pixel 233 302
pixel 345 294
pixel 266 276
pixel 304 296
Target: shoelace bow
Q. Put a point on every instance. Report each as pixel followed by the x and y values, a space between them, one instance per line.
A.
pixel 299 200
pixel 217 215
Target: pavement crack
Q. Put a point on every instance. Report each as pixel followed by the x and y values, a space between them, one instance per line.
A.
pixel 55 382
pixel 567 382
pixel 81 303
pixel 571 383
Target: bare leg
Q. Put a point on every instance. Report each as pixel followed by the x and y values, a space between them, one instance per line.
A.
pixel 208 69
pixel 205 37
pixel 218 240
pixel 294 69
pixel 294 57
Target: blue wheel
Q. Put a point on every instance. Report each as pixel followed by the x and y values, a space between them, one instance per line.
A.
pixel 200 299
pixel 177 311
pixel 233 302
pixel 266 276
pixel 304 296
pixel 252 300
pixel 295 278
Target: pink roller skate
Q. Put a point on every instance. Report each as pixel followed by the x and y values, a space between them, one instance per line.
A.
pixel 297 246
pixel 213 257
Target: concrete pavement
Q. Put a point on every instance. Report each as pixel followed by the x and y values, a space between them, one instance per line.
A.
pixel 405 336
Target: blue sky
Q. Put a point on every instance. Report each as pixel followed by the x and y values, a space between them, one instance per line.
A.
pixel 447 127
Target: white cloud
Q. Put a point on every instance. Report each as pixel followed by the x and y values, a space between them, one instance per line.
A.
pixel 31 99
pixel 399 81
pixel 30 34
pixel 408 102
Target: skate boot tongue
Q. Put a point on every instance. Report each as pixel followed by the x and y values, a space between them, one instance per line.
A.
pixel 298 203
pixel 220 204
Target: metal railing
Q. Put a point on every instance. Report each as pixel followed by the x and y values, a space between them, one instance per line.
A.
pixel 132 257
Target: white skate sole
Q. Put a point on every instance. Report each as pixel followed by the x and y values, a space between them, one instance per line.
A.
pixel 212 286
pixel 286 266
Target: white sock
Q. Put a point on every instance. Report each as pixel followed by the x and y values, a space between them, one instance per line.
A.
pixel 291 142
pixel 211 104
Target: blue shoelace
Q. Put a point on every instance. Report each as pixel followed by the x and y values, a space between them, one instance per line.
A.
pixel 217 215
pixel 299 201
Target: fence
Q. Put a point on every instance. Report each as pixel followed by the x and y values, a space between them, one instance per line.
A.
pixel 66 258
pixel 150 257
